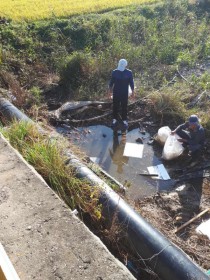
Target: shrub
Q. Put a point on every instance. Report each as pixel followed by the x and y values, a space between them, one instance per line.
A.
pixel 202 82
pixel 167 104
pixel 185 58
pixel 75 70
pixel 204 4
pixel 36 93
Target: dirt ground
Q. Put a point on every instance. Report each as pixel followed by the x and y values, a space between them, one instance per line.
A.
pixel 168 211
pixel 165 211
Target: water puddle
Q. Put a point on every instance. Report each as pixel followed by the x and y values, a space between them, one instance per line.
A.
pixel 106 148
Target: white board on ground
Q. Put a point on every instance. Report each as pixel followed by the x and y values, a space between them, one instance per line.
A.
pixel 204 228
pixel 160 171
pixel 133 150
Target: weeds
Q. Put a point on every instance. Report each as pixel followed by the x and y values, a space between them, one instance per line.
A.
pixel 47 157
pixel 18 95
pixel 84 49
pixel 167 104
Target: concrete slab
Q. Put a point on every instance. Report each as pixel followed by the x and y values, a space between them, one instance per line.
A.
pixel 41 236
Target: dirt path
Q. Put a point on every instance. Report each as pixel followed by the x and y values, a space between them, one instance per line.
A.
pixel 41 236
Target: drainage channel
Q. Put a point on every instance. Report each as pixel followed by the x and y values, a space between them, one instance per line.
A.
pixel 106 148
pixel 162 256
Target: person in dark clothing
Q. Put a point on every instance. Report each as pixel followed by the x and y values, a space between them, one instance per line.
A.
pixel 191 134
pixel 119 84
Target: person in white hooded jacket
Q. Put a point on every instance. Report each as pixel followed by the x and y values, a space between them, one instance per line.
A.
pixel 120 81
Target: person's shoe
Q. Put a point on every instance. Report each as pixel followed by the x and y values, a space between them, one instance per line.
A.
pixel 114 123
pixel 190 154
pixel 125 123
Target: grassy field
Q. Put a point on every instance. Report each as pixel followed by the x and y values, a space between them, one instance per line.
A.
pixel 42 9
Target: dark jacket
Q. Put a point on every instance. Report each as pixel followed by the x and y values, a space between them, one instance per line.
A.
pixel 196 137
pixel 120 81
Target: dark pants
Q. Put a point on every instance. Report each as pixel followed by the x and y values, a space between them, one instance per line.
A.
pixel 186 135
pixel 117 103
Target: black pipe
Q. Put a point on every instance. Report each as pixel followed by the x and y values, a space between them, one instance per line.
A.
pixel 10 112
pixel 163 257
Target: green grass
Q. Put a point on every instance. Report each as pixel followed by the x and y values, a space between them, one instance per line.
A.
pixel 83 50
pixel 47 157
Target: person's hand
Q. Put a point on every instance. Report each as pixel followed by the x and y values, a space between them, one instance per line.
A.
pixel 133 96
pixel 109 95
pixel 172 132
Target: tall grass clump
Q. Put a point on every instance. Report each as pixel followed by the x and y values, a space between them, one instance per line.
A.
pixel 47 157
pixel 167 105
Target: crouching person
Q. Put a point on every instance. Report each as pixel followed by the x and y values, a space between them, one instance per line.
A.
pixel 191 134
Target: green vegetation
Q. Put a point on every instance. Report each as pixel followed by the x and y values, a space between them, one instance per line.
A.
pixel 159 40
pixel 48 158
pixel 38 9
pixel 167 45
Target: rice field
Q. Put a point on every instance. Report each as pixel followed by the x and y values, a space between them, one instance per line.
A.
pixel 42 9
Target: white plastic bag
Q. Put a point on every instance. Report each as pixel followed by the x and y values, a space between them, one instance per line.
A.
pixel 172 148
pixel 204 228
pixel 163 134
pixel 129 91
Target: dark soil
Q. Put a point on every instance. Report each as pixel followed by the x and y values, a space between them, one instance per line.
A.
pixel 167 211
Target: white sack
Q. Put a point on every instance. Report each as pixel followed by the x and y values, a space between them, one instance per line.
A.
pixel 163 134
pixel 204 228
pixel 172 148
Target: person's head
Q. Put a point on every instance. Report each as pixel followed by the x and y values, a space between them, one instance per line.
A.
pixel 193 121
pixel 122 64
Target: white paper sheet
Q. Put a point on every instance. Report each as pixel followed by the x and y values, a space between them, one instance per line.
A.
pixel 160 171
pixel 204 228
pixel 133 150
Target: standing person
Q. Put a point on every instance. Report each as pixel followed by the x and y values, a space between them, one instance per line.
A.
pixel 192 134
pixel 119 84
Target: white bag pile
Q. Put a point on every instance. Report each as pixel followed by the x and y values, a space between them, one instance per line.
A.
pixel 172 147
pixel 163 134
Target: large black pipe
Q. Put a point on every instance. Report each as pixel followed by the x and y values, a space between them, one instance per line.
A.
pixel 163 257
pixel 10 112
